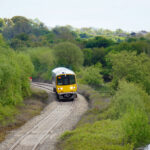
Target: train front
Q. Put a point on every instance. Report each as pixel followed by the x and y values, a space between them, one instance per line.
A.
pixel 66 86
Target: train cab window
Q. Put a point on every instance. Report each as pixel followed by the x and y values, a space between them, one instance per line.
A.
pixel 72 79
pixel 65 80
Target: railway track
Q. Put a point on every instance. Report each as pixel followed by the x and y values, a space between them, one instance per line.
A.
pixel 44 86
pixel 37 134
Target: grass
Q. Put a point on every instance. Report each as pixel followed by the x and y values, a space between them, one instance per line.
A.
pixel 97 104
pixel 31 107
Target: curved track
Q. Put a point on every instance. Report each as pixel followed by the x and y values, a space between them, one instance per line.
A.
pixel 39 132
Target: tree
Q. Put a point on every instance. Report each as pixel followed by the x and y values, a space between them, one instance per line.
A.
pixel 99 41
pixel 99 55
pixel 2 42
pixel 88 55
pixel 2 24
pixel 132 67
pixel 64 33
pixel 15 70
pixel 91 75
pixel 138 46
pixel 69 55
pixel 19 24
pixel 43 61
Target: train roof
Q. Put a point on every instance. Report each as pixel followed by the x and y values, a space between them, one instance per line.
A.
pixel 62 70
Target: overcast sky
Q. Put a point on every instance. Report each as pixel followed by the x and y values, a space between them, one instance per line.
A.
pixel 130 15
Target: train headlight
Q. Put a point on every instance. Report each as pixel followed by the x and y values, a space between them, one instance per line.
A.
pixel 72 87
pixel 60 88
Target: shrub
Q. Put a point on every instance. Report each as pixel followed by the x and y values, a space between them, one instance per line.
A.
pixel 136 128
pixel 105 135
pixel 43 61
pixel 127 96
pixel 15 71
pixel 7 114
pixel 91 75
pixel 68 55
pixel 132 67
pixel 26 68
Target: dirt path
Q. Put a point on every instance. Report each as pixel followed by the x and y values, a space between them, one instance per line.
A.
pixel 42 131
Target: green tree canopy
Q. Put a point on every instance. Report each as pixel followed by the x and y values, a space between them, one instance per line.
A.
pixel 132 67
pixel 69 55
pixel 98 41
pixel 43 61
pixel 88 56
pixel 15 70
pixel 91 75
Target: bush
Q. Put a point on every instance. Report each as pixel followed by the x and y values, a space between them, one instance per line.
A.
pixel 132 67
pixel 7 114
pixel 127 96
pixel 26 68
pixel 15 71
pixel 136 128
pixel 105 135
pixel 43 61
pixel 131 105
pixel 68 55
pixel 91 75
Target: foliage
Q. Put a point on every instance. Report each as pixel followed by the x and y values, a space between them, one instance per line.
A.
pixel 138 46
pixel 91 75
pixel 88 56
pixel 131 105
pixel 128 96
pixel 14 78
pixel 26 68
pixel 2 42
pixel 7 114
pixel 43 61
pixel 132 67
pixel 64 33
pixel 98 42
pixel 136 128
pixel 123 124
pixel 99 55
pixel 93 56
pixel 68 55
pixel 15 70
pixel 19 24
pixel 106 135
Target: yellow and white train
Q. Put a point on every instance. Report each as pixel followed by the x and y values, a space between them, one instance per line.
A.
pixel 64 83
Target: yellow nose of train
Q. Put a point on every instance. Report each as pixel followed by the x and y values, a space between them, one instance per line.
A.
pixel 67 88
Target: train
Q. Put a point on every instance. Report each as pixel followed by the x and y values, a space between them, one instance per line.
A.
pixel 64 83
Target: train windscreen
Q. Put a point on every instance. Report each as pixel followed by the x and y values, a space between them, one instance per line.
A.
pixel 66 80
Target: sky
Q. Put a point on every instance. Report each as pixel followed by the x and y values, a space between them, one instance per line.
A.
pixel 129 15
